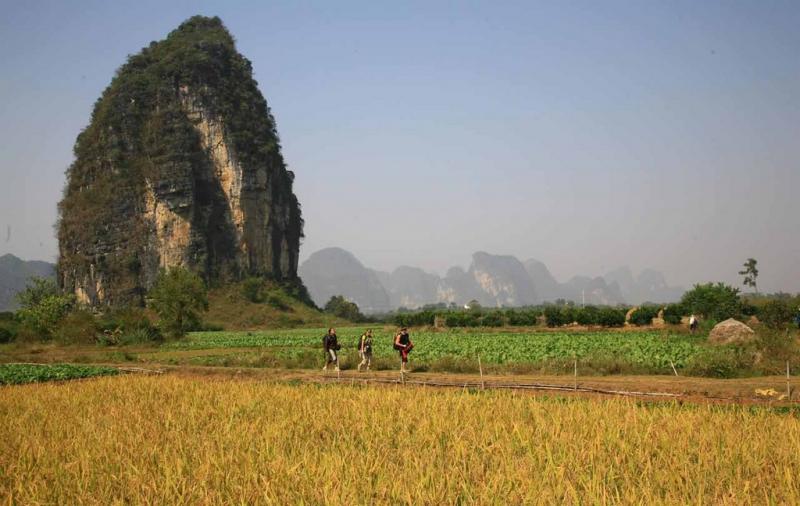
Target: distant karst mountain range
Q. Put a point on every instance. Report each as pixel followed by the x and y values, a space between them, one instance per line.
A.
pixel 492 280
pixel 14 276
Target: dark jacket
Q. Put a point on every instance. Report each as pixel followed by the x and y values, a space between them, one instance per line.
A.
pixel 329 342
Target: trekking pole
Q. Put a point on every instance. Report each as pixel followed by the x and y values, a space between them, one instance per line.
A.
pixel 673 367
pixel 480 368
pixel 575 359
pixel 788 385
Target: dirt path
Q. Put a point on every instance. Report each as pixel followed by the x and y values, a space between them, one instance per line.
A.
pixel 683 389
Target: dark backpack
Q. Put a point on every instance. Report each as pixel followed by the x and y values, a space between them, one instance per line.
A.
pixel 358 343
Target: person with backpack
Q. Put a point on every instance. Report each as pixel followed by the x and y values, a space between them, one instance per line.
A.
pixel 365 349
pixel 331 346
pixel 693 323
pixel 403 344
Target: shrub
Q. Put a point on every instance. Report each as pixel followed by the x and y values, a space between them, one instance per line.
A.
pixel 776 314
pixel 253 289
pixel 45 313
pixel 133 325
pixel 644 315
pixel 588 315
pixel 554 316
pixel 523 317
pixel 749 309
pixel 777 348
pixel 611 317
pixel 78 327
pixel 719 362
pixel 278 303
pixel 6 336
pixel 178 297
pixel 462 319
pixel 673 314
pixel 493 319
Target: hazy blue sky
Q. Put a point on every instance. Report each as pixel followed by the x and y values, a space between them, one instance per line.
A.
pixel 585 134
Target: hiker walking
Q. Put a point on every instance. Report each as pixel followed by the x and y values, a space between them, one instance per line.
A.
pixel 331 346
pixel 365 349
pixel 693 323
pixel 403 344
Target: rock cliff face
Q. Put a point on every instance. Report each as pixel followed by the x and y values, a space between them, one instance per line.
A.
pixel 503 279
pixel 180 166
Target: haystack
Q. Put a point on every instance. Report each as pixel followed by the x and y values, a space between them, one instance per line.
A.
pixel 731 331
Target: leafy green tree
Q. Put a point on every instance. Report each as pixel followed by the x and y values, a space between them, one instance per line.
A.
pixel 644 315
pixel 522 317
pixel 493 319
pixel 750 273
pixel 673 313
pixel 178 297
pixel 555 316
pixel 611 317
pixel 36 291
pixel 343 308
pixel 587 315
pixel 42 306
pixel 45 316
pixel 713 301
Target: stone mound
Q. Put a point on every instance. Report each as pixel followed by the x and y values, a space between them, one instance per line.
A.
pixel 731 331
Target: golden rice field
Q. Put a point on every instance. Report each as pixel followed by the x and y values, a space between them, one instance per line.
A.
pixel 178 440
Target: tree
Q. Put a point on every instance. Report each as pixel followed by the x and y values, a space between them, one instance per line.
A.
pixel 750 273
pixel 42 306
pixel 178 297
pixel 343 308
pixel 36 291
pixel 644 315
pixel 673 313
pixel 714 301
pixel 611 317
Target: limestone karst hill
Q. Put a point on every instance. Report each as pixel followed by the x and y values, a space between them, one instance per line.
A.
pixel 180 166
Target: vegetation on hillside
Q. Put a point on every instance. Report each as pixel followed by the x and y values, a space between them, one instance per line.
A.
pixel 140 135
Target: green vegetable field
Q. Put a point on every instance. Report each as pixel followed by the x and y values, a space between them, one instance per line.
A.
pixel 14 374
pixel 648 349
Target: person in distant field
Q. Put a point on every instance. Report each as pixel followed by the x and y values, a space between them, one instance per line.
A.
pixel 365 349
pixel 403 344
pixel 331 345
pixel 693 323
pixel 797 318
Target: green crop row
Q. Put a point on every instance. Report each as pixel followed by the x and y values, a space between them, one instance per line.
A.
pixel 15 374
pixel 650 349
